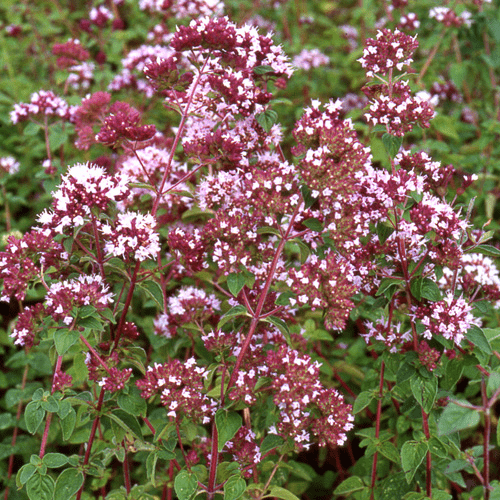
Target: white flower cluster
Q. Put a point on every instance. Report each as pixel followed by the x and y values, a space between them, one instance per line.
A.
pixel 9 165
pixel 133 233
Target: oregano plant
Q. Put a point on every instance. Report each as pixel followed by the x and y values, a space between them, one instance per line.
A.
pixel 225 281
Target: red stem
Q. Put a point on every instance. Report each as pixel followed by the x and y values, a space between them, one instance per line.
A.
pixel 14 433
pixel 428 465
pixel 377 428
pixel 45 436
pixel 486 440
pixel 258 310
pixel 94 353
pixel 180 130
pixel 128 300
pixel 91 440
pixel 214 457
pixel 126 469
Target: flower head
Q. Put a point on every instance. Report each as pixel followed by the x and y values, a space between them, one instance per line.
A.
pixel 387 51
pixel 132 235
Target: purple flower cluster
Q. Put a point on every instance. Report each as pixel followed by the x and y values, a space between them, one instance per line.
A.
pixel 181 390
pixel 43 104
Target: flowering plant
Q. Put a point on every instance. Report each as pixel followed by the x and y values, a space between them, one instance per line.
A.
pixel 215 297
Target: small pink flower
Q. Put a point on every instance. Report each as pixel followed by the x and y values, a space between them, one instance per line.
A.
pixel 132 235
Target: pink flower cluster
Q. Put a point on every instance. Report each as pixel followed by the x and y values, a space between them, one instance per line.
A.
pixel 85 189
pixel 63 296
pixel 23 260
pixel 43 104
pixel 326 284
pixel 9 165
pixel 181 390
pixel 70 53
pixel 308 59
pixel 188 305
pixel 184 8
pixel 449 18
pixel 396 108
pixel 244 450
pixel 451 318
pixel 390 50
pixel 132 235
pixel 303 402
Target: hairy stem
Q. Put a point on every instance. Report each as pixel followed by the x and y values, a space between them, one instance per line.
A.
pixel 128 300
pixel 486 440
pixel 377 428
pixel 91 440
pixel 14 433
pixel 177 139
pixel 8 225
pixel 428 464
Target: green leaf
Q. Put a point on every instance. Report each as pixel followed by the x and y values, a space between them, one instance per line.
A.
pixel 416 288
pixel 350 485
pixel 414 495
pixel 51 405
pixel 54 460
pixel 64 408
pixel 424 390
pixel 478 338
pixel 270 442
pixel 267 119
pixel 24 473
pixel 262 70
pixel 67 484
pixel 68 424
pixel 132 402
pixel 91 322
pixel 227 423
pixel 40 487
pixel 487 250
pixel 452 374
pixel 281 325
pixel 153 289
pixel 445 125
pixel 85 311
pixel 64 339
pixel 151 467
pixel 392 144
pixel 235 283
pixel 405 372
pixel 7 420
pixel 238 310
pixel 38 394
pixel 383 232
pixel 33 416
pixel 394 486
pixel 493 336
pixel 362 401
pixel 314 224
pixel 441 495
pixel 284 298
pixel 185 485
pixel 57 136
pixel 438 448
pixel 128 422
pixel 234 488
pixel 278 492
pixel 430 291
pixel 455 418
pixel 388 287
pixel 412 455
pixel 389 451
